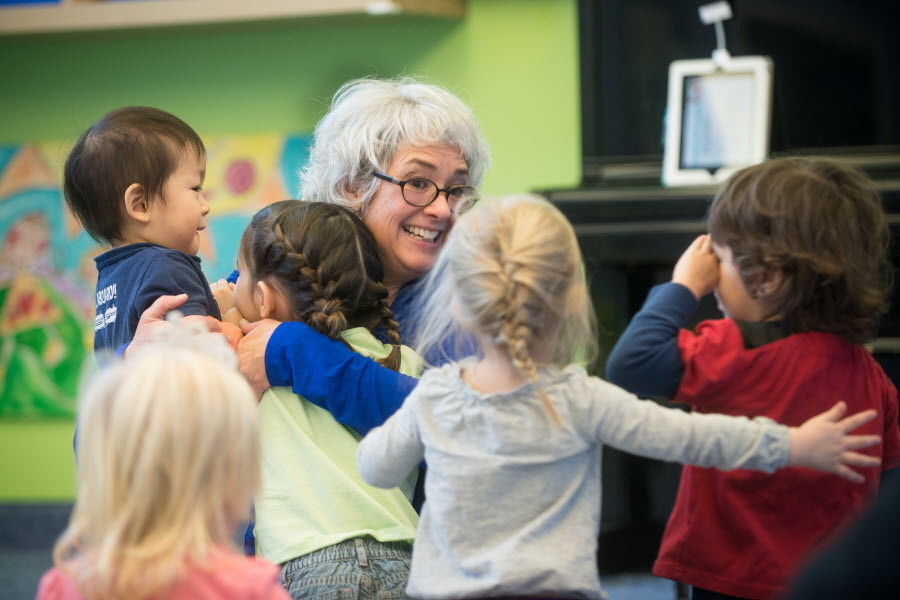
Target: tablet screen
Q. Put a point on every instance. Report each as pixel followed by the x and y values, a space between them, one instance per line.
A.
pixel 717 121
pixel 717 118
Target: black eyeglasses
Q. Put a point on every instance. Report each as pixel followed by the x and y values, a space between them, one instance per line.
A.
pixel 419 191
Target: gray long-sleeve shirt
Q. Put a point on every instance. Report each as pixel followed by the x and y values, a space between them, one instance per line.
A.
pixel 513 499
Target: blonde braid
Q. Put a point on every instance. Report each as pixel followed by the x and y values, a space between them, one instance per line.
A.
pixel 516 335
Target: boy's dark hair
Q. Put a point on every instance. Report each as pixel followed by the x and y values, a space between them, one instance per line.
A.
pixel 822 224
pixel 132 144
pixel 326 262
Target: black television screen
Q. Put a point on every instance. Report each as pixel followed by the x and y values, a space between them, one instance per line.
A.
pixel 836 86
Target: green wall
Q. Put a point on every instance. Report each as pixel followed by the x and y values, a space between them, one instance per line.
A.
pixel 514 61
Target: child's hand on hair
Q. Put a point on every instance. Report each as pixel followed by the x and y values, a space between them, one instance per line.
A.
pixel 823 443
pixel 698 267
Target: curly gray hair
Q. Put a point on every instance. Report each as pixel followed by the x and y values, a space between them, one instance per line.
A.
pixel 369 120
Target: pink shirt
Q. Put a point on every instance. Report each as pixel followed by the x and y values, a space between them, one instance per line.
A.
pixel 228 576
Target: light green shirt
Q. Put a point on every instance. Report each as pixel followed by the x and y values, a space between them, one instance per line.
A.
pixel 312 495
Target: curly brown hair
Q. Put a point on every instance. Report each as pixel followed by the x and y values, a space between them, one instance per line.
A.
pixel 821 223
pixel 325 261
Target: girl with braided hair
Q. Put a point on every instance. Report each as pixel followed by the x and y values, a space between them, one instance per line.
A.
pixel 317 263
pixel 513 435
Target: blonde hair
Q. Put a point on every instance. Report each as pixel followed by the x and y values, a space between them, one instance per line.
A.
pixel 511 272
pixel 168 462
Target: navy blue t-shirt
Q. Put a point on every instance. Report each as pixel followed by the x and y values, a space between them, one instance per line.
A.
pixel 130 278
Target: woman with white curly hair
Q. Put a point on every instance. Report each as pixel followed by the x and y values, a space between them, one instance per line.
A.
pixel 408 157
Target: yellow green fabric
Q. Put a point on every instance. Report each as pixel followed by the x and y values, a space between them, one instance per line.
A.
pixel 312 495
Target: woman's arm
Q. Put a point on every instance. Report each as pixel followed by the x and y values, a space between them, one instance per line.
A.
pixel 356 390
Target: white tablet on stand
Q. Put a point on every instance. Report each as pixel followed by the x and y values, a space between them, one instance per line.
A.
pixel 717 118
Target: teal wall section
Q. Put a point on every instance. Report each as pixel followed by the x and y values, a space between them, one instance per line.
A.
pixel 514 61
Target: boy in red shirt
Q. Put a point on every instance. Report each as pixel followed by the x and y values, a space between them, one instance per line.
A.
pixel 796 255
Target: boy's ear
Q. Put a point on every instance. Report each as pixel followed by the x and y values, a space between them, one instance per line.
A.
pixel 268 300
pixel 137 205
pixel 769 283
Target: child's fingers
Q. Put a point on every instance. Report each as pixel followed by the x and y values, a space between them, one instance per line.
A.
pixel 705 243
pixel 860 460
pixel 849 474
pixel 835 413
pixel 854 421
pixel 854 442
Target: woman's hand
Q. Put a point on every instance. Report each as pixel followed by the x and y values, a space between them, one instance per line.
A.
pixel 154 318
pixel 251 352
pixel 698 267
pixel 822 443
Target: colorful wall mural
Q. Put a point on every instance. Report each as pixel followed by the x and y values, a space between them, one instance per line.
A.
pixel 47 273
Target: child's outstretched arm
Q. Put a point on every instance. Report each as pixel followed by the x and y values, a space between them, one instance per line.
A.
pixel 645 359
pixel 619 419
pixel 823 443
pixel 388 453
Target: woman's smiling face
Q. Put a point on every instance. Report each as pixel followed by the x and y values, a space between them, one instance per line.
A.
pixel 410 237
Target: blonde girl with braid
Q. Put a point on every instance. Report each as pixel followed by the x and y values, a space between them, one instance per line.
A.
pixel 317 263
pixel 513 435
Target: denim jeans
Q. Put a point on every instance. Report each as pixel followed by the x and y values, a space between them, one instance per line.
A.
pixel 357 569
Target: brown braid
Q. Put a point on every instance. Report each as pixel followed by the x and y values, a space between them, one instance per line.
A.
pixel 326 262
pixel 391 361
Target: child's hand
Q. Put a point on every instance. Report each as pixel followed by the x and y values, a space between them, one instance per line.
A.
pixel 822 443
pixel 698 267
pixel 223 292
pixel 233 316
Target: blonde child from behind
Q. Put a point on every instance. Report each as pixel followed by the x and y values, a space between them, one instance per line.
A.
pixel 168 460
pixel 513 436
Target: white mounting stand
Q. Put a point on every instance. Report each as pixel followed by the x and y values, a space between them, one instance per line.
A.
pixel 718 111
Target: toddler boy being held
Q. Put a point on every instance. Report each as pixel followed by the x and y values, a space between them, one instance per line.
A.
pixel 134 181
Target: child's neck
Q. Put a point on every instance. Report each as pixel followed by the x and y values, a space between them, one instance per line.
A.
pixel 131 236
pixel 495 373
